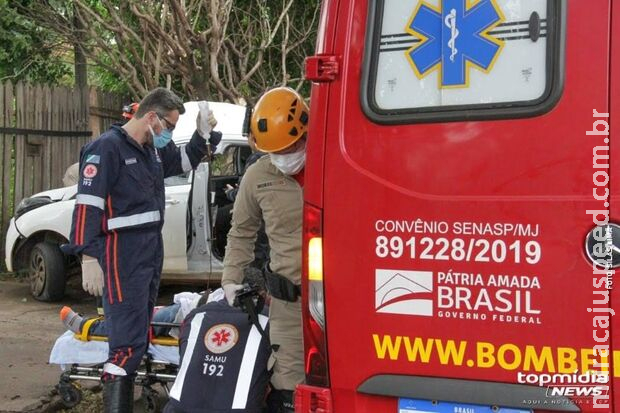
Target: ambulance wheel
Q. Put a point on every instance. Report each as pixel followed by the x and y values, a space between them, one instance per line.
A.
pixel 70 395
pixel 151 400
pixel 46 271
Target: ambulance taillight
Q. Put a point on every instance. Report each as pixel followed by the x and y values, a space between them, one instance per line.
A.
pixel 314 396
pixel 312 299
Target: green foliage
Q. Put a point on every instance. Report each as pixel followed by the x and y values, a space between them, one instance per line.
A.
pixel 102 78
pixel 29 52
pixel 258 44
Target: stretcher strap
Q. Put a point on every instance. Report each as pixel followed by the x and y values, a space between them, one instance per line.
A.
pixel 83 336
pixel 165 341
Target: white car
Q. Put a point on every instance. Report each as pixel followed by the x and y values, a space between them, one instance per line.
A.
pixel 42 222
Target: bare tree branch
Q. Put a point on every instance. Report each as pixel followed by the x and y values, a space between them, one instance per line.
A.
pixel 230 49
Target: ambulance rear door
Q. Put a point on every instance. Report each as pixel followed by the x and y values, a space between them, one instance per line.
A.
pixel 612 257
pixel 458 200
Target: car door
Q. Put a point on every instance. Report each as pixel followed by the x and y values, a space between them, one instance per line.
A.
pixel 175 224
pixel 189 237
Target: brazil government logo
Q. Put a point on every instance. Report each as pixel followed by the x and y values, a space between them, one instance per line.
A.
pixel 454 39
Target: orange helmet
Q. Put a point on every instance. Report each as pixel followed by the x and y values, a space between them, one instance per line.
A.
pixel 280 119
pixel 130 110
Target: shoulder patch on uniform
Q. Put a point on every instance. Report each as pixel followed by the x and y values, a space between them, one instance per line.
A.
pixel 93 159
pixel 221 337
pixel 90 171
pixel 130 161
pixel 270 184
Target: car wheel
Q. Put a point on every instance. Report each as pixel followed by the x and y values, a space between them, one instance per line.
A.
pixel 47 272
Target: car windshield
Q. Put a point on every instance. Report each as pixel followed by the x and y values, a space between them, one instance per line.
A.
pixel 223 165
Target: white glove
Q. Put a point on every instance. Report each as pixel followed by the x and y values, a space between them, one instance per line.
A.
pixel 205 121
pixel 230 291
pixel 92 276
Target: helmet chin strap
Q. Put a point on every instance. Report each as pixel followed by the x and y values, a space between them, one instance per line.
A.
pixel 139 130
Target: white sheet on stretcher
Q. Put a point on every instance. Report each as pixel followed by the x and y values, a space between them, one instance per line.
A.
pixel 68 350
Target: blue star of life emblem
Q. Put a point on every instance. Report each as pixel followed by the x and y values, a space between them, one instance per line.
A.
pixel 454 38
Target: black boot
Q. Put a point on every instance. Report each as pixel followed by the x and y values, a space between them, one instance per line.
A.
pixel 118 394
pixel 281 401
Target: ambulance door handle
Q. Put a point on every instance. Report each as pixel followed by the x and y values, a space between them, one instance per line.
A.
pixel 321 68
pixel 171 201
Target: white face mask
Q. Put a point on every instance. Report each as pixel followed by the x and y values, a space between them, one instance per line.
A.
pixel 290 163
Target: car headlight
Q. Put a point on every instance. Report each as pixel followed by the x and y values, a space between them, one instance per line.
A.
pixel 28 204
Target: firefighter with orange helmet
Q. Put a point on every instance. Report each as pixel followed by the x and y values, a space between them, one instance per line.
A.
pixel 272 191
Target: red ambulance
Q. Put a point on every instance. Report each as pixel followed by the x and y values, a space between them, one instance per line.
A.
pixel 459 236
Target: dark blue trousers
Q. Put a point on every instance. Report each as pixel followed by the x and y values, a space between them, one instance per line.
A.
pixel 132 265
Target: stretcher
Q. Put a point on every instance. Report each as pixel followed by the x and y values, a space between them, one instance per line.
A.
pixel 81 357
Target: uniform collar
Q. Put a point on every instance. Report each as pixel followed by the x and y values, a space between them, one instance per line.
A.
pixel 271 167
pixel 299 177
pixel 118 128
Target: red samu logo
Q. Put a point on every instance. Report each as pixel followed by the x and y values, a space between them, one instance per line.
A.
pixel 90 171
pixel 221 338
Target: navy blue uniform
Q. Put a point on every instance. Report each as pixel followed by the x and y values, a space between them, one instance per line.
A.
pixel 118 217
pixel 223 362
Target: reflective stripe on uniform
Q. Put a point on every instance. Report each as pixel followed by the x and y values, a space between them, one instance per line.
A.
pixel 133 220
pixel 78 222
pixel 91 200
pixel 82 223
pixel 177 388
pixel 244 380
pixel 185 163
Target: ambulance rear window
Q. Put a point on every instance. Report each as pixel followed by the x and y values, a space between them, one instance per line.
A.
pixel 438 60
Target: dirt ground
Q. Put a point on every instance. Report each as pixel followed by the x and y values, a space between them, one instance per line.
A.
pixel 28 330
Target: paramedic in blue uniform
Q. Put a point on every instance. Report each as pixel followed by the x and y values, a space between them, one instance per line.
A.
pixel 117 222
